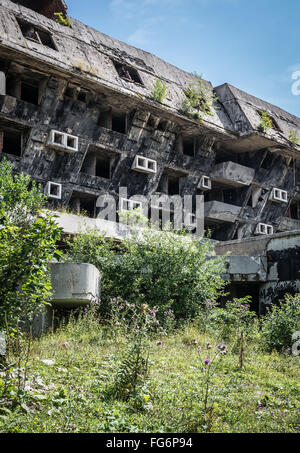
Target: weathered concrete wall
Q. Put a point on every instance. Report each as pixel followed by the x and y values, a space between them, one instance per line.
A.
pixel 247 268
pixel 276 269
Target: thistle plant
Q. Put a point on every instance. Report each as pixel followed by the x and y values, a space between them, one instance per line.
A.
pixel 211 367
pixel 138 323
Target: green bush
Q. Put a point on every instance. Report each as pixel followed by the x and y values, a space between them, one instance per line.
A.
pixel 280 323
pixel 27 243
pixel 235 318
pixel 155 268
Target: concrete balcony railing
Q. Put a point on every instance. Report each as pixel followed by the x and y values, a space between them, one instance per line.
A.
pixel 221 212
pixel 246 268
pixel 233 174
pixel 288 224
pixel 12 106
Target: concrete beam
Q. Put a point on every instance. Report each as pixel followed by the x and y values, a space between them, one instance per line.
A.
pixel 233 174
pixel 222 212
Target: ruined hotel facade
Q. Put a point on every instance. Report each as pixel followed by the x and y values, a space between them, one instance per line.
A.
pixel 77 114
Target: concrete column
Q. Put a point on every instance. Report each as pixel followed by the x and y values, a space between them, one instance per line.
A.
pixel 90 164
pixel 2 84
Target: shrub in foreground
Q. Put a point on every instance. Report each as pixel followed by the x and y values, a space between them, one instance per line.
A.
pixel 281 323
pixel 154 267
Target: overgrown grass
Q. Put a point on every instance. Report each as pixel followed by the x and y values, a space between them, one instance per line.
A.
pixel 67 393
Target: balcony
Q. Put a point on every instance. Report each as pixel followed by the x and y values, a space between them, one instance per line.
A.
pixel 288 224
pixel 17 109
pixel 246 268
pixel 233 174
pixel 221 212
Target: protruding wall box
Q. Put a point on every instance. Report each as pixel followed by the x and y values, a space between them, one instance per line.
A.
pixel 144 165
pixel 128 205
pixel 205 183
pixel 279 196
pixel 263 229
pixel 63 141
pixel 74 284
pixel 53 190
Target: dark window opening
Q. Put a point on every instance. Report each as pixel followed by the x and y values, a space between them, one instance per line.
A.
pixel 173 185
pixel 188 147
pixel 69 92
pixel 128 73
pixel 46 39
pixel 119 122
pixel 12 141
pixel 230 196
pixel 29 93
pixel 295 211
pixel 98 163
pixel 82 96
pixel 250 201
pixel 162 126
pixel 267 162
pixel 33 33
pixel 103 168
pixel 83 204
pixel 151 122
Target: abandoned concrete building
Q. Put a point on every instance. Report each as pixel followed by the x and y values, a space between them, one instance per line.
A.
pixel 79 115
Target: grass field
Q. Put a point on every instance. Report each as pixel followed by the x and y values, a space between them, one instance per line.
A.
pixel 61 386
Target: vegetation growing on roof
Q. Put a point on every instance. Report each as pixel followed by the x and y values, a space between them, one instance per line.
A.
pixel 159 91
pixel 62 20
pixel 293 139
pixel 199 98
pixel 266 122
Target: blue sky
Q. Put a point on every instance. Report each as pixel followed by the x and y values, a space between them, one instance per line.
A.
pixel 252 44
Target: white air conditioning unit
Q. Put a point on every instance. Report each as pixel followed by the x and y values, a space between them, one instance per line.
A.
pixel 53 190
pixel 129 205
pixel 144 165
pixel 278 195
pixel 63 141
pixel 263 229
pixel 205 183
